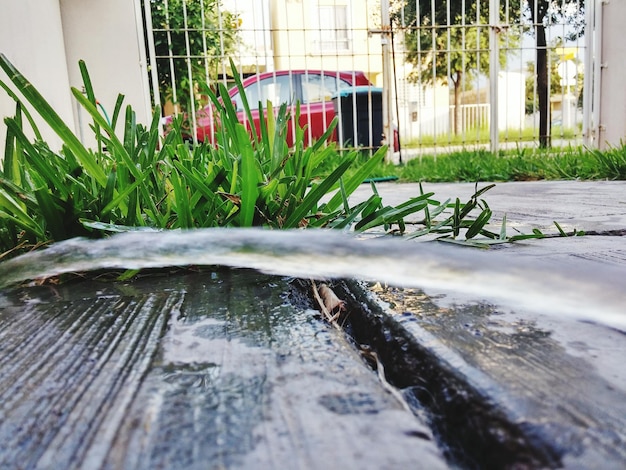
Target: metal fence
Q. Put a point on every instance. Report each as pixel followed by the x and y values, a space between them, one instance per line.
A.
pixel 454 74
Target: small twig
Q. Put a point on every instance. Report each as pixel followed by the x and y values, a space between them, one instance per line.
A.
pixel 327 306
pixel 380 370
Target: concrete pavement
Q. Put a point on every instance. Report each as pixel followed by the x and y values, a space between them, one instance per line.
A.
pixel 597 206
pixel 563 380
pixel 175 369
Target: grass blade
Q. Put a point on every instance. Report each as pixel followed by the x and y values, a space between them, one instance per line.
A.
pixel 316 194
pixel 478 224
pixel 249 178
pixel 53 120
pixel 357 179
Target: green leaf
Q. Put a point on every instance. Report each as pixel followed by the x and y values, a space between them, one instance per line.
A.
pixel 351 215
pixel 325 136
pixel 181 195
pixel 456 218
pixel 480 192
pixel 439 209
pixel 388 215
pixel 109 188
pixel 561 231
pixel 52 118
pixel 55 220
pixel 12 150
pixel 503 229
pixel 244 98
pixel 39 158
pixel 478 224
pixel 21 110
pixel 357 179
pixel 195 179
pixel 118 107
pixel 14 211
pixel 249 178
pixel 528 236
pixel 119 200
pixel 128 274
pixel 316 193
pixel 26 198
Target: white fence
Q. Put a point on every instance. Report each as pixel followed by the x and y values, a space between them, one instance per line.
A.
pixel 471 116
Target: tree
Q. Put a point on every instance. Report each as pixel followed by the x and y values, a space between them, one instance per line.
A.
pixel 427 32
pixel 554 58
pixel 542 13
pixel 530 92
pixel 444 42
pixel 212 35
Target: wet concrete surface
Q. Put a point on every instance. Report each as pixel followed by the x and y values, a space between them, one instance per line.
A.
pixel 231 369
pixel 220 369
pixel 500 389
pixel 561 381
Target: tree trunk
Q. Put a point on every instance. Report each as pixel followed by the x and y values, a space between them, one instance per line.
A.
pixel 538 11
pixel 457 101
pixel 543 86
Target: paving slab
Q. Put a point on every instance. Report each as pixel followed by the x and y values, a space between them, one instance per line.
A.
pixel 583 205
pixel 229 369
pixel 220 369
pixel 561 380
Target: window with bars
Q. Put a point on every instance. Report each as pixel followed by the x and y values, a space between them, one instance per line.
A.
pixel 333 28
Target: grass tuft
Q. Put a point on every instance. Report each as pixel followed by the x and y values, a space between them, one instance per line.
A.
pixel 136 179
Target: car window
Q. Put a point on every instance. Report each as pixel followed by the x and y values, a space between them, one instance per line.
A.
pixel 277 89
pixel 317 87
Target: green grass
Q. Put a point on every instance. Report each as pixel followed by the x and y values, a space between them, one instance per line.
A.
pixel 133 178
pixel 483 136
pixel 516 165
pixel 521 165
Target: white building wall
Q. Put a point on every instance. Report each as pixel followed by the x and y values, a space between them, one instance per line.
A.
pixel 45 39
pixel 31 37
pixel 255 51
pixel 612 129
pixel 108 37
pixel 511 101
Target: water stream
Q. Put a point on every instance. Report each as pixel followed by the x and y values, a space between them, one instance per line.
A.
pixel 590 292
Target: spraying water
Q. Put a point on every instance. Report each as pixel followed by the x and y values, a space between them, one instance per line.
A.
pixel 594 293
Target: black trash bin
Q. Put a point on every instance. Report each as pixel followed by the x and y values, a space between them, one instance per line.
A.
pixel 367 103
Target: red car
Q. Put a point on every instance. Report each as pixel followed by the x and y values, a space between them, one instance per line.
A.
pixel 314 89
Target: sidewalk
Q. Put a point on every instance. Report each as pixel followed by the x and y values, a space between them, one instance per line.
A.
pixel 236 368
pixel 583 205
pixel 562 380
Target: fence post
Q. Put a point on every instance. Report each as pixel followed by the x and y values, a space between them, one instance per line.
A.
pixel 385 40
pixel 494 68
pixel 591 56
pixel 151 55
